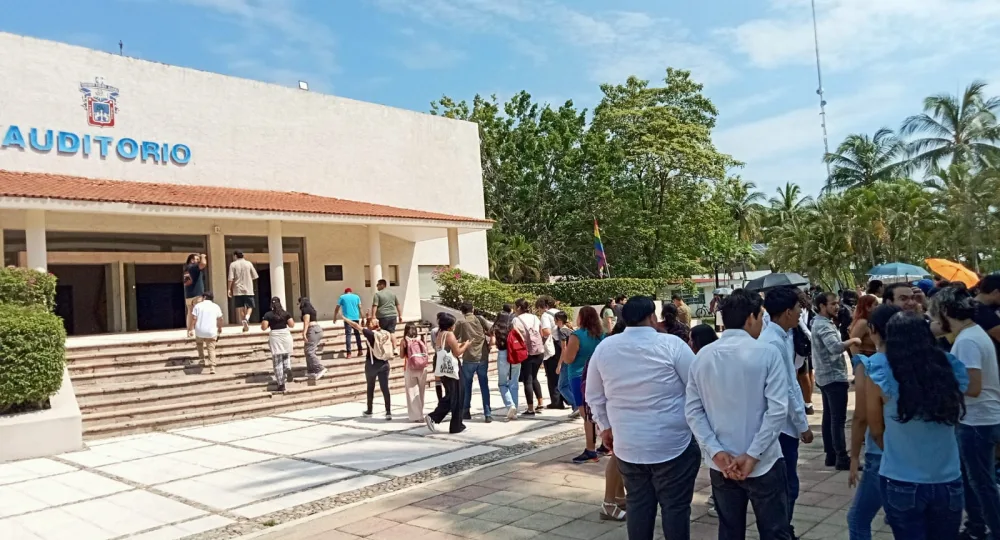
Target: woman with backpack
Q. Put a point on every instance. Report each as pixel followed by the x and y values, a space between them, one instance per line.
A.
pixel 508 374
pixel 449 351
pixel 413 350
pixel 279 321
pixel 380 351
pixel 529 327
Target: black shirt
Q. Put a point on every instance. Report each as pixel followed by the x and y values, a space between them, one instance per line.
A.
pixel 370 336
pixel 310 311
pixel 277 321
pixel 197 286
pixel 987 318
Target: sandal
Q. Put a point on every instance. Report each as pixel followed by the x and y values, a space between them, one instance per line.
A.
pixel 620 501
pixel 612 512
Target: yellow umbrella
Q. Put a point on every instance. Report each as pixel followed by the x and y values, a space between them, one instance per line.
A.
pixel 952 271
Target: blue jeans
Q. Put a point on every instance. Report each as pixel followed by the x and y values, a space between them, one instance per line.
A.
pixel 507 380
pixel 790 453
pixel 982 500
pixel 867 500
pixel 480 370
pixel 923 511
pixel 348 330
pixel 564 389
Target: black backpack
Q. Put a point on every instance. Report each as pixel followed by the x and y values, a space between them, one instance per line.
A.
pixel 803 347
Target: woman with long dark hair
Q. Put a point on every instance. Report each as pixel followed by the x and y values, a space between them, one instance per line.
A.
pixel 528 326
pixel 671 324
pixel 608 317
pixel 702 335
pixel 860 328
pixel 915 404
pixel 381 349
pixel 575 357
pixel 867 499
pixel 452 401
pixel 312 335
pixel 279 322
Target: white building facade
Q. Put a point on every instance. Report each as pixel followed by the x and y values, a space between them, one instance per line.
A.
pixel 114 169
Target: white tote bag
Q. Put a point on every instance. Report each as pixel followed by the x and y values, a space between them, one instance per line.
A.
pixel 446 365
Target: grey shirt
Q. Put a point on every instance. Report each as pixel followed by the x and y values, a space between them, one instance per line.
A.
pixel 827 352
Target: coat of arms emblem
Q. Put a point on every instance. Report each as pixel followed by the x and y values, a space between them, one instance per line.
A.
pixel 101 102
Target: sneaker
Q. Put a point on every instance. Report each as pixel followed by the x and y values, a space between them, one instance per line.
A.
pixel 574 415
pixel 319 375
pixel 831 460
pixel 280 389
pixel 430 424
pixel 388 417
pixel 366 413
pixel 528 413
pixel 211 371
pixel 587 457
pixel 466 416
pixel 603 451
pixel 246 326
pixel 511 413
pixel 348 355
pixel 488 420
pixel 810 410
pixel 711 507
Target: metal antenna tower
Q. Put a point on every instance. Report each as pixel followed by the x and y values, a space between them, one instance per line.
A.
pixel 822 99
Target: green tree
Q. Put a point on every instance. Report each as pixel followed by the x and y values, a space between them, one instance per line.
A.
pixel 862 160
pixel 955 129
pixel 788 205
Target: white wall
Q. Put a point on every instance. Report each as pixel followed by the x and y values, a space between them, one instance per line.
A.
pixel 241 133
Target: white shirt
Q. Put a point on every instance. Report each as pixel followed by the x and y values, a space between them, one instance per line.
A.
pixel 974 348
pixel 549 321
pixel 797 422
pixel 529 321
pixel 737 399
pixel 635 386
pixel 207 314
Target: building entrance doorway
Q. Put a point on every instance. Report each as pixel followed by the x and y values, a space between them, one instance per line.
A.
pixel 82 297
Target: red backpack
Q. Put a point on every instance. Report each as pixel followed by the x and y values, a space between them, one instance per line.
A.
pixel 517 350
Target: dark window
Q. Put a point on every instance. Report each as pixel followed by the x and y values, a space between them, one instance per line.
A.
pixel 334 272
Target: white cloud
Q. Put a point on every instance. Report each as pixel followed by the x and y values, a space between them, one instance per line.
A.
pixel 429 55
pixel 739 107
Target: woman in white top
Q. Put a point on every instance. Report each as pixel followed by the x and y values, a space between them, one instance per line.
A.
pixel 529 326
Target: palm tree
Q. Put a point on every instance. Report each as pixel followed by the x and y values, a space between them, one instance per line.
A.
pixel 745 206
pixel 963 197
pixel 862 160
pixel 955 129
pixel 788 205
pixel 516 260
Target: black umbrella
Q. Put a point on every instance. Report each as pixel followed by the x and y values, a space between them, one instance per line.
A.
pixel 772 281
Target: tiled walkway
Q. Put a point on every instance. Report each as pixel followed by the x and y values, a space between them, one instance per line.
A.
pixel 545 497
pixel 224 480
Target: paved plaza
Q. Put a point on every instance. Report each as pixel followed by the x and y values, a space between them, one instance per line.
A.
pixel 227 479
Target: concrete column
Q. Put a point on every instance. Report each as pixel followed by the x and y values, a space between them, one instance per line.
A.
pixel 374 255
pixel 454 256
pixel 218 267
pixel 34 235
pixel 276 258
pixel 2 263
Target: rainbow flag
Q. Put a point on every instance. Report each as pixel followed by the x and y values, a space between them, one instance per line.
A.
pixel 602 260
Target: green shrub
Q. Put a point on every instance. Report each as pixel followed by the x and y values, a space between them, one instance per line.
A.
pixel 24 287
pixel 32 355
pixel 486 294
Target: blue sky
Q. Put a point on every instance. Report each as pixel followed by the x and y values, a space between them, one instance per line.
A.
pixel 881 57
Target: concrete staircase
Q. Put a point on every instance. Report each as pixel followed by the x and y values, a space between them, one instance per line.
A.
pixel 159 385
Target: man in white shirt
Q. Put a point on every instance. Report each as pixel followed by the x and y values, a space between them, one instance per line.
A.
pixel 737 404
pixel 207 317
pixel 636 391
pixel 782 304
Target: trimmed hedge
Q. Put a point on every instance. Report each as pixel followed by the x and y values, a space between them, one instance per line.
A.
pixel 32 355
pixel 27 288
pixel 33 340
pixel 490 295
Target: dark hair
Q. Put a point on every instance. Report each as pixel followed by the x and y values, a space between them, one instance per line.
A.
pixel 676 296
pixel 590 321
pixel 928 389
pixel 305 304
pixel 988 284
pixel 276 306
pixel 382 282
pixel 446 321
pixel 879 318
pixel 778 301
pixel 850 298
pixel 190 259
pixel 410 330
pixel 619 327
pixel 874 285
pixel 866 305
pixel 607 305
pixel 507 309
pixel 822 299
pixel 702 335
pixel 889 295
pixel 522 305
pixel 561 316
pixel 620 298
pixel 804 300
pixel 669 314
pixel 208 295
pixel 739 306
pixel 637 309
pixel 545 302
pixel 465 308
pixel 238 254
pixel 955 302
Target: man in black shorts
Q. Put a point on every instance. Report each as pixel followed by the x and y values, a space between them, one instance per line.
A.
pixel 241 277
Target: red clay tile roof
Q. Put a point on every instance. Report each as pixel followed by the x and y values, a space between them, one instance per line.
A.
pixel 75 188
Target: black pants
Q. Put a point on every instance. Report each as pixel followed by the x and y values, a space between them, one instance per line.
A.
pixel 552 381
pixel 834 420
pixel 669 486
pixel 451 403
pixel 378 369
pixel 529 374
pixel 768 495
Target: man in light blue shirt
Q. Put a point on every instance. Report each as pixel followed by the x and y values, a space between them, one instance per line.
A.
pixel 350 305
pixel 782 304
pixel 737 404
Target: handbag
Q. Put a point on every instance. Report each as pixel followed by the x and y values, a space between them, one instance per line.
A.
pixel 445 363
